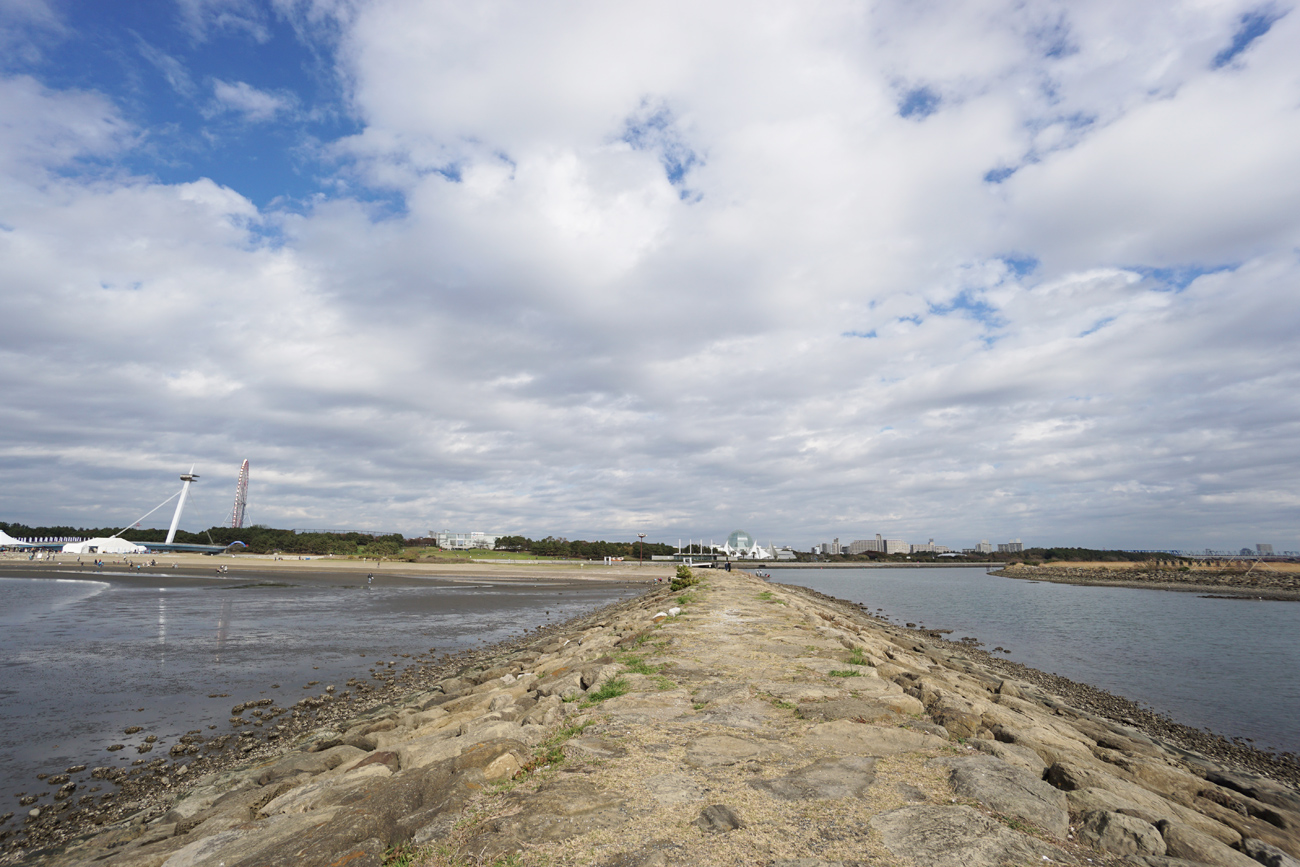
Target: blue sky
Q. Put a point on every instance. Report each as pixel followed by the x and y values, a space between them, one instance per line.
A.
pixel 237 95
pixel 962 271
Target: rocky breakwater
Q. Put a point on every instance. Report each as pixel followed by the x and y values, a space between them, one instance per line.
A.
pixel 1242 580
pixel 754 724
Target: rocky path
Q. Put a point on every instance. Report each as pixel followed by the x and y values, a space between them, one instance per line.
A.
pixel 755 725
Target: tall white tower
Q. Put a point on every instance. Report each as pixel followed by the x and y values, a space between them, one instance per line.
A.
pixel 241 498
pixel 180 504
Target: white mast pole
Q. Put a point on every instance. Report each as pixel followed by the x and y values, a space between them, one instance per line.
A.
pixel 180 504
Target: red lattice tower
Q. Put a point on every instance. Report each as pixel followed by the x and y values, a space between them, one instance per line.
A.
pixel 241 498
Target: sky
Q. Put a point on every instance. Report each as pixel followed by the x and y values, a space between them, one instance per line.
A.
pixel 1010 269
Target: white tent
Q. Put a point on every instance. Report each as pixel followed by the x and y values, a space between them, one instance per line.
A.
pixel 7 541
pixel 111 545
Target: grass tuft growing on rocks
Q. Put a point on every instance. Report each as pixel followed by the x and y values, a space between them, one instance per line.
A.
pixel 637 664
pixel 612 688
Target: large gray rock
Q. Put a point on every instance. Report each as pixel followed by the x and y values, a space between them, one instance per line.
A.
pixel 1268 855
pixel 1117 834
pixel 1009 790
pixel 1261 789
pixel 1021 757
pixel 558 810
pixel 843 777
pixel 959 837
pixel 308 764
pixel 1189 844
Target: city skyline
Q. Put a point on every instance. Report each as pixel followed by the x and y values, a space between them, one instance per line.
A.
pixel 998 270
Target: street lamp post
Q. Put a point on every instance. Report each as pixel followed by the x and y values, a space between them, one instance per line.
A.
pixel 641 558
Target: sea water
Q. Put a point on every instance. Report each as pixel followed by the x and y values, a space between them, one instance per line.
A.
pixel 1229 665
pixel 81 661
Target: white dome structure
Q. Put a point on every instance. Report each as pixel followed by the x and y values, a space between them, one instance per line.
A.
pixel 742 546
pixel 111 545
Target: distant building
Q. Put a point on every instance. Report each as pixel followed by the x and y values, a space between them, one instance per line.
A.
pixel 743 546
pixel 450 541
pixel 1263 549
pixel 984 547
pixel 862 546
pixel 785 553
pixel 897 546
pixel 1010 547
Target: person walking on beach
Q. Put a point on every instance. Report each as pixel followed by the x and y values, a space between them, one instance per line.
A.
pixel 370 579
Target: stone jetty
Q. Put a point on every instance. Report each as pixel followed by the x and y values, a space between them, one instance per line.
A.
pixel 734 722
pixel 1231 578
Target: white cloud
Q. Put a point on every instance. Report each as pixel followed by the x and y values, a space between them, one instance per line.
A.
pixel 684 268
pixel 244 99
pixel 203 18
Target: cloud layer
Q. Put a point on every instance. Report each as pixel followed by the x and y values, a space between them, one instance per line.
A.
pixel 958 271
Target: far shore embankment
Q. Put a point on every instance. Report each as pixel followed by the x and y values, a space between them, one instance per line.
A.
pixel 1266 581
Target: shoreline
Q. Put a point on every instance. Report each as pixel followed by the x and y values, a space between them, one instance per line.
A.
pixel 1263 586
pixel 1283 766
pixel 917 659
pixel 157 780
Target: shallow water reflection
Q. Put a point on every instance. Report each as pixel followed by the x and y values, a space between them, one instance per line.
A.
pixel 82 661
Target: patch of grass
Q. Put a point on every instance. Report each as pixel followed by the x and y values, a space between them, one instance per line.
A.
pixel 550 751
pixel 612 688
pixel 686 599
pixel 401 855
pixel 664 683
pixel 766 596
pixel 857 657
pixel 637 664
pixel 699 705
pixel 845 672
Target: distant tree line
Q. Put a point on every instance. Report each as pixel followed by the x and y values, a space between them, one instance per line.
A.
pixel 578 549
pixel 259 539
pixel 268 540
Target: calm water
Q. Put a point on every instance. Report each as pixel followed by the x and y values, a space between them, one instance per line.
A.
pixel 80 661
pixel 1232 666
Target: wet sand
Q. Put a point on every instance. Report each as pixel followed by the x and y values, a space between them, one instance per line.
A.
pixel 198 570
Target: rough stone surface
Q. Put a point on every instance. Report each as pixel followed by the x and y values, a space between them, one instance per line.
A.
pixel 718 818
pixel 846 736
pixel 1270 856
pixel 1011 791
pixel 1117 834
pixel 845 777
pixel 1191 845
pixel 959 837
pixel 1021 757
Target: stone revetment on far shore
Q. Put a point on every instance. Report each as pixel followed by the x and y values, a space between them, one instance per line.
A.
pixel 733 722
